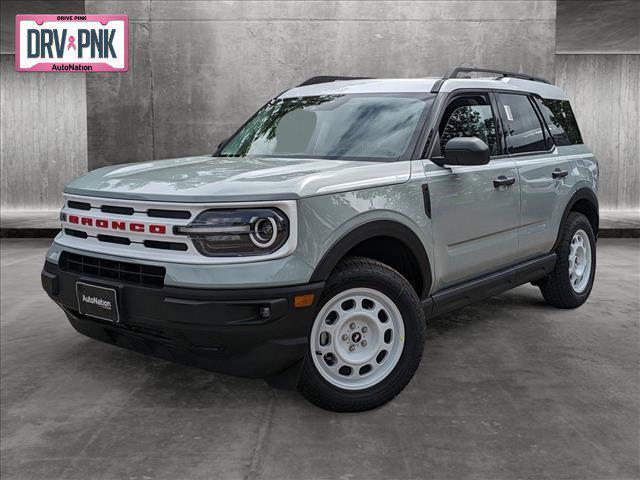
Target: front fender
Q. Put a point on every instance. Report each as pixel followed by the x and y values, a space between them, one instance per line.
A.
pixel 331 225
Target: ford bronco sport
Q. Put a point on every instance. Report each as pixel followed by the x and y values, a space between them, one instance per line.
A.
pixel 312 247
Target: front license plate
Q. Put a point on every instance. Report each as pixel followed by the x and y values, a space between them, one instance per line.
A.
pixel 98 302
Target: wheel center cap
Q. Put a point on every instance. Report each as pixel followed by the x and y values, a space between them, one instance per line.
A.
pixel 356 337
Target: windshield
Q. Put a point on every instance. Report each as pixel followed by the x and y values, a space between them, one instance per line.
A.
pixel 355 127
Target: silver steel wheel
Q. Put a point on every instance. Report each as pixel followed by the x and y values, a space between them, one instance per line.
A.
pixel 357 338
pixel 580 261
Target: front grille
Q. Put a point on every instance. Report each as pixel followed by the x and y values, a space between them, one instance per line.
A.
pixel 156 213
pixel 129 211
pixel 181 247
pixel 79 205
pixel 147 275
pixel 114 239
pixel 75 233
pixel 117 210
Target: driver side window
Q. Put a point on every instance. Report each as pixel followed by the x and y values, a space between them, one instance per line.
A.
pixel 469 116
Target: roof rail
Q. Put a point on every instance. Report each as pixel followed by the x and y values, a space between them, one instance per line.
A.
pixel 454 73
pixel 327 79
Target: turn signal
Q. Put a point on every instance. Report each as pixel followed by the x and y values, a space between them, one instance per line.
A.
pixel 301 301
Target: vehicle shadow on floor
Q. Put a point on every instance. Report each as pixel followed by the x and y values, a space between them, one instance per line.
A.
pixel 524 298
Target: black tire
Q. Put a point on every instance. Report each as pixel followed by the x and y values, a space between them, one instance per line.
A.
pixel 366 273
pixel 556 288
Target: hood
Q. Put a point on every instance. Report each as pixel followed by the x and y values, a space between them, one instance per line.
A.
pixel 233 179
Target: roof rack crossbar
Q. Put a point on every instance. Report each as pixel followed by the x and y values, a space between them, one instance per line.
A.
pixel 328 79
pixel 454 73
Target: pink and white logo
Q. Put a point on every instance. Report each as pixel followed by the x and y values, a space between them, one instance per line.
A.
pixel 72 43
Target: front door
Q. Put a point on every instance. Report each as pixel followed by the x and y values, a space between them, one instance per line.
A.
pixel 475 209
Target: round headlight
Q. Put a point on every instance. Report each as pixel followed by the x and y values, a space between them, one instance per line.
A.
pixel 264 232
pixel 237 232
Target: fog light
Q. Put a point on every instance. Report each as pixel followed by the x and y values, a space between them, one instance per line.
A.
pixel 265 312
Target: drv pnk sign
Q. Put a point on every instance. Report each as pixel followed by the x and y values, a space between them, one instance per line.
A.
pixel 72 43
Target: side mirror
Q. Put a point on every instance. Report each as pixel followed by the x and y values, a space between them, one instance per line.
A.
pixel 466 151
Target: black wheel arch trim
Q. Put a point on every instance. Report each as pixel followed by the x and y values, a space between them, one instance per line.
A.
pixel 583 193
pixel 372 229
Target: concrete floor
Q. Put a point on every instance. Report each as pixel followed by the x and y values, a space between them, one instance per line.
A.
pixel 508 388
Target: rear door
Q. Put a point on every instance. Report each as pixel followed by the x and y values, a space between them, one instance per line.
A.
pixel 545 175
pixel 475 209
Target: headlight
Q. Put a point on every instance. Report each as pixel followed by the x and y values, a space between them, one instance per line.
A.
pixel 238 232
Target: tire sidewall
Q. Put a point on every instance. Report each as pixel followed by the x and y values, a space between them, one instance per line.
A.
pixel 576 222
pixel 402 295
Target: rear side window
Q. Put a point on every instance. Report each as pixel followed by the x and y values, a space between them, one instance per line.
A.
pixel 560 120
pixel 523 130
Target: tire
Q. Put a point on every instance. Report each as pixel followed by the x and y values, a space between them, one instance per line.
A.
pixel 564 288
pixel 363 300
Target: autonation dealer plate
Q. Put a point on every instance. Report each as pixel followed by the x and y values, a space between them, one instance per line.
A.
pixel 98 302
pixel 72 43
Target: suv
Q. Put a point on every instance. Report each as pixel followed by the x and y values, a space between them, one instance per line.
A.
pixel 312 247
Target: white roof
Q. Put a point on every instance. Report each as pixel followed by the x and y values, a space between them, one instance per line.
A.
pixel 424 85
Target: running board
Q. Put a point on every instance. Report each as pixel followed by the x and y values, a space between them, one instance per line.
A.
pixel 487 286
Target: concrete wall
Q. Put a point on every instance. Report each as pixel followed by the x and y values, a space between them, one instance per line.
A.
pixel 597 26
pixel 605 93
pixel 43 131
pixel 10 8
pixel 43 124
pixel 198 69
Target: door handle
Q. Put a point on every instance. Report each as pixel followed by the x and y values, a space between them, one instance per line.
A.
pixel 504 181
pixel 557 173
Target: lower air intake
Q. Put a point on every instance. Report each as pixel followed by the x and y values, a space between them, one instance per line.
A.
pixel 147 275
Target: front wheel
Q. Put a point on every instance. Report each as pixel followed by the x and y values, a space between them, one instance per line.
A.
pixel 367 338
pixel 569 285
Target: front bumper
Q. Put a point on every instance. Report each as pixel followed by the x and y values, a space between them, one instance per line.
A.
pixel 219 330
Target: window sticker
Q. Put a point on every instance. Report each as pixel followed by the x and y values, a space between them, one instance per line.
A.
pixel 72 43
pixel 507 110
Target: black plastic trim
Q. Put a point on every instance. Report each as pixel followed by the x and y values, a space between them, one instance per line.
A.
pixel 114 239
pixel 427 199
pixel 179 246
pixel 160 213
pixel 245 332
pixel 583 193
pixel 78 205
pixel 489 285
pixel 328 79
pixel 436 86
pixel 102 269
pixel 379 228
pixel 502 73
pixel 75 233
pixel 117 210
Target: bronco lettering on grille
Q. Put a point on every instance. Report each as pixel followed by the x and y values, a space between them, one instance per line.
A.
pixel 118 225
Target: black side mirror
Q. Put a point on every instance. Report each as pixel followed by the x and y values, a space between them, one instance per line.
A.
pixel 466 151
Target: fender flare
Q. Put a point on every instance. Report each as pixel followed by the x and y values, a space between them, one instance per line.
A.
pixel 583 193
pixel 366 231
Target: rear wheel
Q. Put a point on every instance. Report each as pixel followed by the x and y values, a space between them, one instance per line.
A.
pixel 570 284
pixel 367 338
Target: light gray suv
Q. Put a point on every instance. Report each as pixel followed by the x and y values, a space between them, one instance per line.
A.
pixel 316 242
